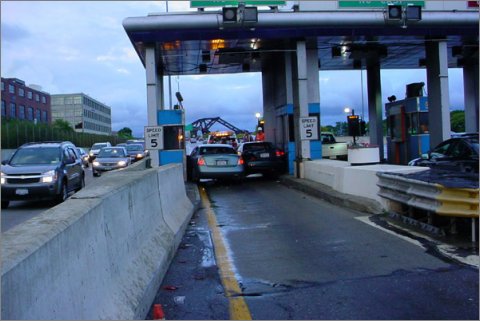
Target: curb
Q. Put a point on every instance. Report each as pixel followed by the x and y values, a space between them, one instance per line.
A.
pixel 328 194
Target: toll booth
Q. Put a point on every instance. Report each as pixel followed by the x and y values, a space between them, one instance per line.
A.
pixel 407 124
pixel 173 123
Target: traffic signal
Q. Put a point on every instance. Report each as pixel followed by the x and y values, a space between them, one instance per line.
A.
pixel 394 12
pixel 229 14
pixel 353 123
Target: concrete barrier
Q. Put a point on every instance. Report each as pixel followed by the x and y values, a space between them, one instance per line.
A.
pixel 102 254
pixel 354 180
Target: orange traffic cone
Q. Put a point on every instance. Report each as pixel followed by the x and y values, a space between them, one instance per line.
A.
pixel 158 312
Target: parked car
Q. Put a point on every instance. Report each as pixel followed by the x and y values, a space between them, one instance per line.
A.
pixel 83 156
pixel 262 157
pixel 454 154
pixel 215 161
pixel 135 151
pixel 110 158
pixel 42 171
pixel 96 149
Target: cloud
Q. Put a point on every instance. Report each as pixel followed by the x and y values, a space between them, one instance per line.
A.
pixel 13 33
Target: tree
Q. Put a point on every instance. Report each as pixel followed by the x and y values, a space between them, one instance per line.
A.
pixel 125 133
pixel 457 121
pixel 62 125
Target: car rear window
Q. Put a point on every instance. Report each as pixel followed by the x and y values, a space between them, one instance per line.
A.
pixel 98 146
pixel 36 156
pixel 258 147
pixel 111 152
pixel 134 147
pixel 216 150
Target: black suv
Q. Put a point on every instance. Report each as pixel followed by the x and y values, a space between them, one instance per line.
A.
pixel 39 171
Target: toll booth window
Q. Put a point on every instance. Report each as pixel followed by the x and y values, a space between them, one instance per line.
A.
pixel 173 137
pixel 413 129
pixel 423 122
pixel 396 128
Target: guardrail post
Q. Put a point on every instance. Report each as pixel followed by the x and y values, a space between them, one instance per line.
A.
pixel 453 225
pixel 474 232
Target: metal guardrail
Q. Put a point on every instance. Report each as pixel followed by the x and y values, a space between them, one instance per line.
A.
pixel 432 197
pixel 456 202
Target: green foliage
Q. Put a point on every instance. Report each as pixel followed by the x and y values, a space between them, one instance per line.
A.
pixel 18 132
pixel 62 125
pixel 125 133
pixel 457 121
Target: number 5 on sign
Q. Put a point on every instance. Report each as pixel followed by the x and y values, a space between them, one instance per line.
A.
pixel 153 137
pixel 309 128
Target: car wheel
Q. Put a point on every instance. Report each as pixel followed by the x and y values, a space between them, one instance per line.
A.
pixel 63 193
pixel 82 183
pixel 195 176
pixel 5 204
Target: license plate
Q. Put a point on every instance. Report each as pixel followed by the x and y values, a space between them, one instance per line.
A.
pixel 264 155
pixel 21 191
pixel 221 163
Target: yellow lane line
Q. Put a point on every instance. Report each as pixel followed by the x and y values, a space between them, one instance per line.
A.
pixel 238 308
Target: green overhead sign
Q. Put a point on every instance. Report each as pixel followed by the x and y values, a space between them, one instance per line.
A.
pixel 376 4
pixel 222 3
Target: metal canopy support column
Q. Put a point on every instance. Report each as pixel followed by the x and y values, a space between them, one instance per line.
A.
pixel 375 108
pixel 154 94
pixel 438 97
pixel 300 103
pixel 470 87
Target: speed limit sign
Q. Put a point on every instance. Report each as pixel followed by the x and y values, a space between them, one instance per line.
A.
pixel 153 137
pixel 309 128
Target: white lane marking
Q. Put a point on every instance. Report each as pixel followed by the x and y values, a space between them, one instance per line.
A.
pixel 366 220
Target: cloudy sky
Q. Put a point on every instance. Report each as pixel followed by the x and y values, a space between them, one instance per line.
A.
pixel 79 46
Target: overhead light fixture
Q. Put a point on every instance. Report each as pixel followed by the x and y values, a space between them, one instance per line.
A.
pixel 394 12
pixel 413 13
pixel 250 14
pixel 229 14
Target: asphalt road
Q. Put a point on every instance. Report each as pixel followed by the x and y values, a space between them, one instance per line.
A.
pixel 294 256
pixel 21 211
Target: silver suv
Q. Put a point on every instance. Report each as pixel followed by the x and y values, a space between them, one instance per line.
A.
pixel 40 171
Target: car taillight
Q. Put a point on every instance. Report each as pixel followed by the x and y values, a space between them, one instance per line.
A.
pixel 201 162
pixel 240 161
pixel 279 153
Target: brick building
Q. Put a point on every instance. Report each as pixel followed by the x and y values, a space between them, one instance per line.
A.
pixel 24 102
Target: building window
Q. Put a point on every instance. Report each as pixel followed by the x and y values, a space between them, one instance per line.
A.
pixel 29 94
pixel 44 100
pixel 38 114
pixel 11 88
pixel 21 112
pixel 37 97
pixel 30 113
pixel 13 110
pixel 3 86
pixel 4 108
pixel 44 116
pixel 21 92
